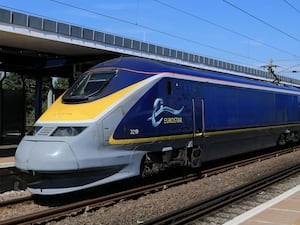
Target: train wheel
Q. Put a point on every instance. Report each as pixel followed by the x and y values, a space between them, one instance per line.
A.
pixel 296 137
pixel 146 166
pixel 195 157
pixel 282 140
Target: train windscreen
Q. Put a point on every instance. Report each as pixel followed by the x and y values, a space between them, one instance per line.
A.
pixel 88 85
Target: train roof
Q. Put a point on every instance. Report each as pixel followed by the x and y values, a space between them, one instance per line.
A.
pixel 153 66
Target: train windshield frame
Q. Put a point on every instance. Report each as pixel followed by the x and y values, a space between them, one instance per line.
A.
pixel 89 86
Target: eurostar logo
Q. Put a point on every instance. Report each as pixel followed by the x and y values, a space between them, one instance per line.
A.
pixel 158 109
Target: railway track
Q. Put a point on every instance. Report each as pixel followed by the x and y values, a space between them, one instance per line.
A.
pixel 15 201
pixel 89 204
pixel 224 167
pixel 201 208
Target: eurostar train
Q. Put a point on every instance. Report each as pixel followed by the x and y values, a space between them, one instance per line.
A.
pixel 131 116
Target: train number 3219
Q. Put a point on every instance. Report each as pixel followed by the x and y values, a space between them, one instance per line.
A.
pixel 134 131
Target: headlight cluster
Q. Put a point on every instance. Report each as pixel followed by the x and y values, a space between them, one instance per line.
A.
pixel 67 131
pixel 55 131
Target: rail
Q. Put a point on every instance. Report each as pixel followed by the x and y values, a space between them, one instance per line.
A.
pixel 96 202
pixel 82 206
pixel 198 209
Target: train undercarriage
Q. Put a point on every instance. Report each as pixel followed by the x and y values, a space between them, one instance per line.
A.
pixel 193 156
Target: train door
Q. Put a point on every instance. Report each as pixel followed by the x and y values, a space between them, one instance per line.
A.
pixel 198 115
pixel 198 131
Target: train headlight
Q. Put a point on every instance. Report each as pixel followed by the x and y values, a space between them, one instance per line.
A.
pixel 67 131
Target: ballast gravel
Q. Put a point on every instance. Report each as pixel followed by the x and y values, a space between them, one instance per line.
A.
pixel 13 195
pixel 152 205
pixel 169 199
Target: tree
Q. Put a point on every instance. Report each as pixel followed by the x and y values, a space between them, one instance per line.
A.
pixel 13 81
pixel 61 83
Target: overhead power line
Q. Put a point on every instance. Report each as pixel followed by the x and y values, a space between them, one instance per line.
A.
pixel 292 6
pixel 225 28
pixel 262 21
pixel 291 69
pixel 156 30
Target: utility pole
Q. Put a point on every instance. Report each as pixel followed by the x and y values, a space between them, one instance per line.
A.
pixel 270 67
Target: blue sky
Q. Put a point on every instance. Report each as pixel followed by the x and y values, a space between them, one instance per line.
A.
pixel 248 33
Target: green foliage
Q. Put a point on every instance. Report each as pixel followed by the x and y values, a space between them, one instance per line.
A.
pixel 13 81
pixel 61 83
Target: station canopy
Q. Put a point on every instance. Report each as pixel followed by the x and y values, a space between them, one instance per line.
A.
pixel 33 45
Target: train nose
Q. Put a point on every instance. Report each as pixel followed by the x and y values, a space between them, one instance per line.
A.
pixel 41 156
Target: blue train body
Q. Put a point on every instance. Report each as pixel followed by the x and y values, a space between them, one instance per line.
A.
pixel 227 102
pixel 135 116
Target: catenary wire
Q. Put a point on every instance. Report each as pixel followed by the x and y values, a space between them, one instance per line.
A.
pixel 156 30
pixel 292 6
pixel 262 21
pixel 289 68
pixel 225 28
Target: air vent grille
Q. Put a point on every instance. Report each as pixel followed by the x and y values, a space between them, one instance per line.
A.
pixel 45 131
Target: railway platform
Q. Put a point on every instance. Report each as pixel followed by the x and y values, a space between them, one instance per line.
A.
pixel 7 154
pixel 283 210
pixel 7 162
pixel 9 176
pixel 8 145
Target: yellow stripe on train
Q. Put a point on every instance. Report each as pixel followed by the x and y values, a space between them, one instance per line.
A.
pixel 148 139
pixel 83 111
pixel 198 134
